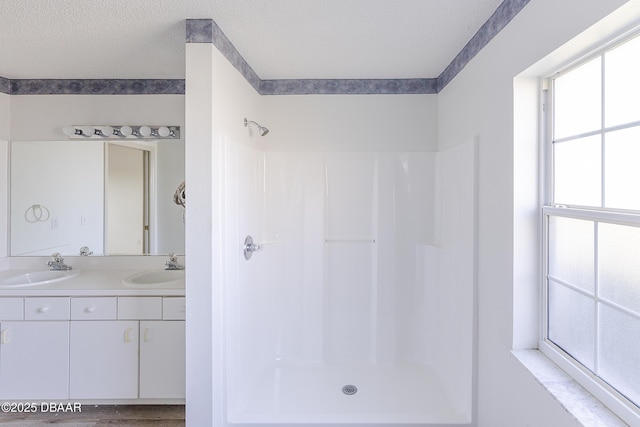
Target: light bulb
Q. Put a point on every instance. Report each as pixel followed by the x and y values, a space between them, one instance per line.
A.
pixel 164 131
pixel 144 131
pixel 87 130
pixel 106 131
pixel 126 130
pixel 70 131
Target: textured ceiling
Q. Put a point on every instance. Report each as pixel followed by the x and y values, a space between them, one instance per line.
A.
pixel 280 39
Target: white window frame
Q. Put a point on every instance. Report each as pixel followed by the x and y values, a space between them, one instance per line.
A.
pixel 611 398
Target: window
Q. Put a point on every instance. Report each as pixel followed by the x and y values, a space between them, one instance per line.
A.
pixel 592 226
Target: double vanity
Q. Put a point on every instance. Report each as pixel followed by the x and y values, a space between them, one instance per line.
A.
pixel 109 330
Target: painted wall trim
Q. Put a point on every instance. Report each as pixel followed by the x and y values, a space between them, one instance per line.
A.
pixel 347 86
pixel 207 31
pixel 94 86
pixel 5 85
pixel 507 10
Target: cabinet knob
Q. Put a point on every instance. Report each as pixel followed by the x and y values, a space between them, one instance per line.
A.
pixel 4 338
pixel 127 335
pixel 89 309
pixel 43 309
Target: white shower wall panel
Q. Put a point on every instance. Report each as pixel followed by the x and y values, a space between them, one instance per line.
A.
pixel 252 295
pixel 350 259
pixel 338 232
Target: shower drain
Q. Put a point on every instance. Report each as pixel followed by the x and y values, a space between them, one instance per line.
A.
pixel 349 389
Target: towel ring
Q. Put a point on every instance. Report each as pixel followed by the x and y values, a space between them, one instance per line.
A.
pixel 36 213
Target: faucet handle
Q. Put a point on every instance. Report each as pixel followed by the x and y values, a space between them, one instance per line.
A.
pixel 172 256
pixel 56 257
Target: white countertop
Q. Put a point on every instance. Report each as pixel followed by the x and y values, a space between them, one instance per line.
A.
pixel 91 281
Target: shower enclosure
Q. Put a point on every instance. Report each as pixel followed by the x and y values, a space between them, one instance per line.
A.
pixel 356 306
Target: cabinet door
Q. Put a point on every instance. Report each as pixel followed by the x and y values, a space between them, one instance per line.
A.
pixel 104 360
pixel 162 359
pixel 34 360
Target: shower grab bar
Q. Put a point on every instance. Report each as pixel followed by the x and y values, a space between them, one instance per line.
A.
pixel 350 240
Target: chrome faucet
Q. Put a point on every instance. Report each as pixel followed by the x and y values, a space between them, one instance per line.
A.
pixel 173 264
pixel 57 263
pixel 85 251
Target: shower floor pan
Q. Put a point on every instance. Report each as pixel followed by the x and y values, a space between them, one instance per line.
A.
pixel 345 394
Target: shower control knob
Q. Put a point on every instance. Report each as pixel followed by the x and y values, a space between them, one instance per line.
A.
pixel 250 247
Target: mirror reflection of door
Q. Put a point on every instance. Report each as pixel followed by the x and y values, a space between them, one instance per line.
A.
pixel 127 206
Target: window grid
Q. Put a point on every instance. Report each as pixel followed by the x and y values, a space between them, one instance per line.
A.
pixel 597 299
pixel 596 214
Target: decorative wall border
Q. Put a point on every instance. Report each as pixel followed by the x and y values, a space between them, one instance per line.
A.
pixel 348 86
pixel 207 31
pixel 507 10
pixel 93 86
pixel 5 85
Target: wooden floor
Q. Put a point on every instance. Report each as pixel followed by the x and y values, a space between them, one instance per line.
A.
pixel 103 415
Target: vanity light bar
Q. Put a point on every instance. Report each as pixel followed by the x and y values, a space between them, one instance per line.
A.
pixel 124 131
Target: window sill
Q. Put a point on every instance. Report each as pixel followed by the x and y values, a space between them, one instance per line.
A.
pixel 578 402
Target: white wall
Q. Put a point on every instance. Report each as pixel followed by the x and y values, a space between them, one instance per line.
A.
pixel 479 103
pixel 350 123
pixel 217 101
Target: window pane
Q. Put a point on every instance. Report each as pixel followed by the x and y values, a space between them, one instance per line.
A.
pixel 619 264
pixel 577 100
pixel 572 323
pixel 622 174
pixel 622 86
pixel 571 255
pixel 618 356
pixel 577 172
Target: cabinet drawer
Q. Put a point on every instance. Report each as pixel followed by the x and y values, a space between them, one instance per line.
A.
pixel 46 308
pixel 143 308
pixel 93 308
pixel 173 308
pixel 11 309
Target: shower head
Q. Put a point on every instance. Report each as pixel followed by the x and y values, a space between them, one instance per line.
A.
pixel 263 130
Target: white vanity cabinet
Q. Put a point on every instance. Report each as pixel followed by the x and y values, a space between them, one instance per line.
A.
pixel 119 348
pixel 103 360
pixel 136 355
pixel 34 348
pixel 162 352
pixel 162 359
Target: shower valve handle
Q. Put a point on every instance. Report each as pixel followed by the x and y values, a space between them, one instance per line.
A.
pixel 250 247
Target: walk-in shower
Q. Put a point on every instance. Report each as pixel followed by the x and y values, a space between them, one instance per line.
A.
pixel 355 304
pixel 333 267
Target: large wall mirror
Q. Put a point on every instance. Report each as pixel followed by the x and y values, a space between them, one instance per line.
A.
pixel 116 198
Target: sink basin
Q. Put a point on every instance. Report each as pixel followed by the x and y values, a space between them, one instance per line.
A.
pixel 37 278
pixel 156 277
